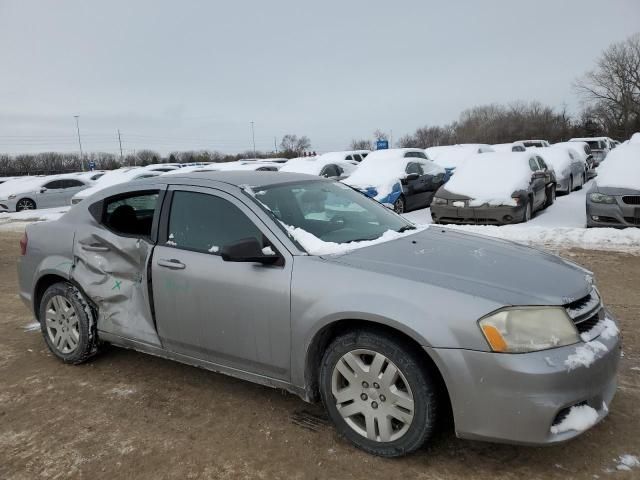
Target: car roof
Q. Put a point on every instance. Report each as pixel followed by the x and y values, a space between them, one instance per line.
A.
pixel 238 178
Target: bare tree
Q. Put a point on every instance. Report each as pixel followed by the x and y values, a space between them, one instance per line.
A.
pixel 294 145
pixel 360 144
pixel 612 89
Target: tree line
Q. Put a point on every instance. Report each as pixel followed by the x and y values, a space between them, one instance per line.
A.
pixel 610 96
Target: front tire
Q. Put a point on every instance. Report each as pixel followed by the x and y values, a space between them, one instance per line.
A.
pixel 399 205
pixel 551 196
pixel 67 323
pixel 528 211
pixel 378 393
pixel 25 204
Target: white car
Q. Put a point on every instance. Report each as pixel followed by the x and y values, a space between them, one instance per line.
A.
pixel 509 147
pixel 535 143
pixel 47 191
pixel 121 175
pixel 329 165
pixel 570 168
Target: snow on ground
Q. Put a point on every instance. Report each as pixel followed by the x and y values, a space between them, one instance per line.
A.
pixel 560 226
pixel 627 462
pixel 16 221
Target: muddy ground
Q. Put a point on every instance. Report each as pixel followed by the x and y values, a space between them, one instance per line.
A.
pixel 131 415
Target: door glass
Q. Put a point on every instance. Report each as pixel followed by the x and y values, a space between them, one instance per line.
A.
pixel 533 165
pixel 206 223
pixel 71 183
pixel 131 215
pixel 56 184
pixel 414 168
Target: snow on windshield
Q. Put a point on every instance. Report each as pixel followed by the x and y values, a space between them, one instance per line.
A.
pixel 492 178
pixel 621 168
pixel 455 156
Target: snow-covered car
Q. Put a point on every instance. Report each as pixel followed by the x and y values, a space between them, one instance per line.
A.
pixel 46 191
pixel 451 157
pixel 509 147
pixel 496 189
pixel 114 177
pixel 568 165
pixel 614 198
pixel 329 165
pixel 635 138
pixel 599 146
pixel 401 177
pixel 246 165
pixel 534 143
pixel 583 150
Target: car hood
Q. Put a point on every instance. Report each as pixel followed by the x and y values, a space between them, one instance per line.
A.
pixel 498 270
pixel 614 190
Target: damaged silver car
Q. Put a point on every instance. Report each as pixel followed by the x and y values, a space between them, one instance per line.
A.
pixel 305 284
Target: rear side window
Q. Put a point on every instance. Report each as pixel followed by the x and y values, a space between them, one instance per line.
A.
pixel 71 183
pixel 330 170
pixel 533 165
pixel 56 184
pixel 414 168
pixel 416 155
pixel 206 223
pixel 131 214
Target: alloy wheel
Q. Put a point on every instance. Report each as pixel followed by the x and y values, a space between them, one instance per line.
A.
pixel 25 204
pixel 372 395
pixel 61 323
pixel 398 205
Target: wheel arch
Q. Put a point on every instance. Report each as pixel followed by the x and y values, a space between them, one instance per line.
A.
pixel 48 279
pixel 327 333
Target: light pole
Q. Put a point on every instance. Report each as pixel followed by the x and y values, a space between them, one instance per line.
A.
pixel 253 138
pixel 79 142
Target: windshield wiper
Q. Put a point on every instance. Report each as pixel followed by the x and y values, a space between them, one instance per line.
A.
pixel 405 228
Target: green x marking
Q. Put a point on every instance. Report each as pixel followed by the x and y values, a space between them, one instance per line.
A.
pixel 116 286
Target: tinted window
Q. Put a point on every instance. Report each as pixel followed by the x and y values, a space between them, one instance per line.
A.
pixel 415 155
pixel 541 162
pixel 357 158
pixel 131 215
pixel 330 171
pixel 414 168
pixel 72 183
pixel 206 223
pixel 54 185
pixel 349 157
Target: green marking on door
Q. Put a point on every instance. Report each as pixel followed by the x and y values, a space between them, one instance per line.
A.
pixel 116 285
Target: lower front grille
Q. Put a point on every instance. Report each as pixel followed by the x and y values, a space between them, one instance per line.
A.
pixel 632 220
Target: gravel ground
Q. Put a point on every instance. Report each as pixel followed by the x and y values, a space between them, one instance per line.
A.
pixel 129 414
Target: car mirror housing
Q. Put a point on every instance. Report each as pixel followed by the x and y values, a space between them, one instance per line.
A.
pixel 247 250
pixel 43 189
pixel 412 176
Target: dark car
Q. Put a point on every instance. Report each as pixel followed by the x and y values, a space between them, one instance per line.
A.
pixel 402 177
pixel 496 189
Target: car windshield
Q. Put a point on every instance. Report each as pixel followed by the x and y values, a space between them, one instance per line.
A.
pixel 331 211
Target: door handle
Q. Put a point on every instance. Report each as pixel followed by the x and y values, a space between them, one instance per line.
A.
pixel 171 263
pixel 95 248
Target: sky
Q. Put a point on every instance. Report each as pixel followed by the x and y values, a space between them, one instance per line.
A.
pixel 184 75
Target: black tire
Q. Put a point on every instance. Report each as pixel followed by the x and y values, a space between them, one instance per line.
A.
pixel 551 196
pixel 570 184
pixel 25 204
pixel 528 212
pixel 584 180
pixel 87 342
pixel 399 205
pixel 419 378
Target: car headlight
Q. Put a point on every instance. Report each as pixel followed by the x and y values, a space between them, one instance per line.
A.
pixel 12 196
pixel 601 198
pixel 528 329
pixel 440 201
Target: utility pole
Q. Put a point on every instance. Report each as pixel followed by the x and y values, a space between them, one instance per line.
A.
pixel 275 144
pixel 253 138
pixel 120 142
pixel 391 140
pixel 79 142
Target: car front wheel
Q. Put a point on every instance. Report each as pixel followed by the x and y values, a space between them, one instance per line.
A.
pixel 67 323
pixel 399 205
pixel 25 204
pixel 378 393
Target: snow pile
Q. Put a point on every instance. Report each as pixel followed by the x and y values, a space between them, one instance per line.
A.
pixel 627 462
pixel 32 327
pixel 585 355
pixel 22 185
pixel 115 177
pixel 314 165
pixel 491 178
pixel 577 148
pixel 579 419
pixel 314 246
pixel 607 329
pixel 621 168
pixel 635 139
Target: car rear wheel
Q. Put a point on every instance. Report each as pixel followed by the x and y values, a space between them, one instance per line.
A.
pixel 25 204
pixel 551 196
pixel 378 393
pixel 67 323
pixel 399 205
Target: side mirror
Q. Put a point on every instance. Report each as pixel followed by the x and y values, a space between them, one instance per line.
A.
pixel 409 178
pixel 42 190
pixel 248 250
pixel 538 175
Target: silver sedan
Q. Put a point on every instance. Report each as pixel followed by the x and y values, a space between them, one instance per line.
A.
pixel 305 284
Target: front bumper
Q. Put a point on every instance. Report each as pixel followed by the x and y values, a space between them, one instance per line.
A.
pixel 516 398
pixel 616 215
pixel 485 215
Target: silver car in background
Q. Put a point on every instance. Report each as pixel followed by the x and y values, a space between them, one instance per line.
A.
pixel 305 284
pixel 29 193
